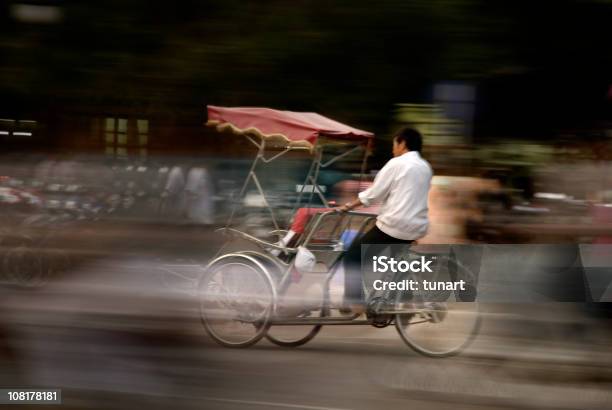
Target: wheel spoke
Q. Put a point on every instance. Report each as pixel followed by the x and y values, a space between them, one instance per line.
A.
pixel 236 300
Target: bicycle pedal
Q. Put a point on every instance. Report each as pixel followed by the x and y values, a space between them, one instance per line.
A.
pixel 376 306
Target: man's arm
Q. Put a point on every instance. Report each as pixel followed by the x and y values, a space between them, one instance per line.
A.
pixel 379 189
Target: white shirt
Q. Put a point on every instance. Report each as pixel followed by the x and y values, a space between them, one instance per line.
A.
pixel 403 187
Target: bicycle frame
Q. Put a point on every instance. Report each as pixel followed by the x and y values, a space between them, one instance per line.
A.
pixel 286 269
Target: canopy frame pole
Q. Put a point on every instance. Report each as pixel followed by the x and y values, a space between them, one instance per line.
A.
pixel 368 148
pixel 320 164
pixel 315 186
pixel 280 154
pixel 364 164
pixel 315 177
pixel 340 156
pixel 312 176
pixel 267 204
pixel 258 145
pixel 298 200
pixel 252 175
pixel 258 157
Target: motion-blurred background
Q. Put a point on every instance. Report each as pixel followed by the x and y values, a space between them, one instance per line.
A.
pixel 111 186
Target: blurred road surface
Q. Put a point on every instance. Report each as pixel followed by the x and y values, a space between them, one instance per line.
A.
pixel 120 333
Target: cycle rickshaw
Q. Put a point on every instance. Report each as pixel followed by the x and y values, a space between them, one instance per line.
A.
pixel 243 289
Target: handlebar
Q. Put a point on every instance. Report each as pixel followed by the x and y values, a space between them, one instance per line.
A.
pixel 323 215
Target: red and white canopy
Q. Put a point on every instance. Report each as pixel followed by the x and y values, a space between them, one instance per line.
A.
pixel 295 128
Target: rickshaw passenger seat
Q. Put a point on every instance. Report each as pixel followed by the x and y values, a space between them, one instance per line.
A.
pixel 298 225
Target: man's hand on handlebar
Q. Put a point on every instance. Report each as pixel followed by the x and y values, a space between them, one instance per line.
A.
pixel 349 206
pixel 343 208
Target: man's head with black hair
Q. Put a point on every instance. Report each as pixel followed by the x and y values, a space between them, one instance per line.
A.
pixel 407 139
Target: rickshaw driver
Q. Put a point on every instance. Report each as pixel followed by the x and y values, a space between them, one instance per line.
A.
pixel 403 187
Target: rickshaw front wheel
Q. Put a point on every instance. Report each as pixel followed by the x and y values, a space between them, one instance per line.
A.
pixel 236 297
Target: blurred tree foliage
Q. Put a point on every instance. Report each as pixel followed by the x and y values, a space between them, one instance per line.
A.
pixel 351 60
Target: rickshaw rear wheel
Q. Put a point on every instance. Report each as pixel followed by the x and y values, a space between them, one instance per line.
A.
pixel 295 343
pixel 408 327
pixel 236 291
pixel 440 328
pixel 291 341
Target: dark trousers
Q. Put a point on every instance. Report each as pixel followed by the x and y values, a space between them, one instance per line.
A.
pixel 352 261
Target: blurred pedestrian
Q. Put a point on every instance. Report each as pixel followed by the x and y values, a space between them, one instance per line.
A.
pixel 173 195
pixel 199 195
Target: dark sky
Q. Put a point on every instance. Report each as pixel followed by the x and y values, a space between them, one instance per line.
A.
pixel 539 66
